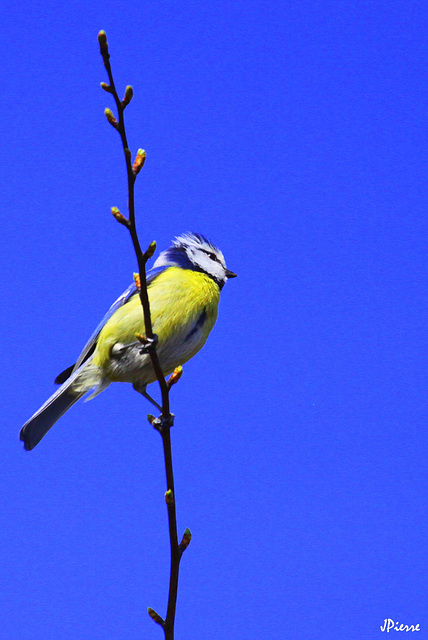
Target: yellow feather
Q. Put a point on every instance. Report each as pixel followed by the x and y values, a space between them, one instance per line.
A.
pixel 177 298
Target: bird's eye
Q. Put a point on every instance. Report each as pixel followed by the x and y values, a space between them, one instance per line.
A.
pixel 212 256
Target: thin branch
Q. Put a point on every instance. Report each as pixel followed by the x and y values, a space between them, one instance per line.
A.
pixel 131 175
pixel 164 423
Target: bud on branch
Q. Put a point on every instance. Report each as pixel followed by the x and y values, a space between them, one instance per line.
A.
pixel 110 117
pixel 129 92
pixel 175 376
pixel 169 497
pixel 139 161
pixel 119 217
pixel 155 616
pixel 150 250
pixel 102 40
pixel 187 536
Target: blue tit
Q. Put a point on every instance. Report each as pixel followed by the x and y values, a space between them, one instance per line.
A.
pixel 184 291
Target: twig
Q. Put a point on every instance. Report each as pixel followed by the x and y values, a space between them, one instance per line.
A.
pixel 164 423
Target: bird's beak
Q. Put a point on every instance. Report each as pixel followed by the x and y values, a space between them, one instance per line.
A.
pixel 230 274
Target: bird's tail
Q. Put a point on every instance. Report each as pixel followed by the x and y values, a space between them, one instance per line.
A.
pixel 83 379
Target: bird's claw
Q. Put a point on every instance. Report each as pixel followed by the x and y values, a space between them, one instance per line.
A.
pixel 149 344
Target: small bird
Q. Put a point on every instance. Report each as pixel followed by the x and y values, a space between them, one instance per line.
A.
pixel 184 291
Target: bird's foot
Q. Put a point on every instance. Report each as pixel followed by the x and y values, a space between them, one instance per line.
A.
pixel 147 344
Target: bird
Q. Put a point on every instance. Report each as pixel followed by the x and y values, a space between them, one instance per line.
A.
pixel 184 288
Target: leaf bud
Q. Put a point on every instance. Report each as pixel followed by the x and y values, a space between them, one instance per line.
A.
pixel 110 117
pixel 105 86
pixel 137 280
pixel 102 40
pixel 175 376
pixel 150 250
pixel 119 217
pixel 139 161
pixel 169 497
pixel 187 536
pixel 155 616
pixel 129 92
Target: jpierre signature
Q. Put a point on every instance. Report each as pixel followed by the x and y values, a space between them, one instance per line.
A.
pixel 390 625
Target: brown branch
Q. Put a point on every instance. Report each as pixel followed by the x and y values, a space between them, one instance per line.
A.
pixel 164 423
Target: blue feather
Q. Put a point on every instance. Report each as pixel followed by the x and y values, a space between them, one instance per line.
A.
pixel 178 256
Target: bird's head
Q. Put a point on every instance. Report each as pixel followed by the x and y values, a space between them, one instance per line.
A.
pixel 193 251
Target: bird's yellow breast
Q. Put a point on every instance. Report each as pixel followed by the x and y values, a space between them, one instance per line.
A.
pixel 179 298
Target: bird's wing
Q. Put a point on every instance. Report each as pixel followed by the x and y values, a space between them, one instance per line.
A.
pixel 89 347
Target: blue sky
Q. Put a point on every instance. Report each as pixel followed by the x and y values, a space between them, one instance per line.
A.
pixel 294 135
